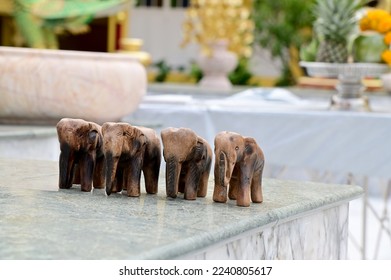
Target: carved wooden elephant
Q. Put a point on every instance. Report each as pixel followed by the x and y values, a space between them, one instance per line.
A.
pixel 81 157
pixel 239 163
pixel 188 162
pixel 129 150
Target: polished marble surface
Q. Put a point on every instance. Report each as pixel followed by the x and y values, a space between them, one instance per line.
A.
pixel 40 222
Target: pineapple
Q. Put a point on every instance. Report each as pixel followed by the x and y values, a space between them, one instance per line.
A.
pixel 335 22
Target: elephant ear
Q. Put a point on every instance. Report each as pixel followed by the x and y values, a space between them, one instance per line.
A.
pixel 81 132
pixel 200 148
pixel 249 147
pixel 94 134
pixel 139 136
pixel 100 137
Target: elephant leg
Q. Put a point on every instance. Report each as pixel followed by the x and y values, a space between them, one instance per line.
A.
pixel 182 176
pixel 151 178
pixel 204 180
pixel 234 183
pixel 119 182
pixel 87 164
pixel 151 171
pixel 233 188
pixel 132 176
pixel 219 193
pixel 99 173
pixel 185 169
pixel 76 174
pixel 193 177
pixel 243 193
pixel 111 170
pixel 203 185
pixel 256 187
pixel 66 167
pixel 173 170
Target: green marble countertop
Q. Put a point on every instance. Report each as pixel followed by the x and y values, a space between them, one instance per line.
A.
pixel 38 221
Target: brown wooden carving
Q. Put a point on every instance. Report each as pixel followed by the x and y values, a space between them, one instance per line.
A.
pixel 128 151
pixel 188 162
pixel 239 163
pixel 81 157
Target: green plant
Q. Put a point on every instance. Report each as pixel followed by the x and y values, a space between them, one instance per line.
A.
pixel 195 71
pixel 282 27
pixel 241 75
pixel 163 70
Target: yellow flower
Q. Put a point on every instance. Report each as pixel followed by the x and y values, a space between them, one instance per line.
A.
pixel 377 20
pixel 376 14
pixel 387 38
pixel 386 56
pixel 365 24
pixel 384 25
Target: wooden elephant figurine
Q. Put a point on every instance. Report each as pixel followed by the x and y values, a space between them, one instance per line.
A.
pixel 239 163
pixel 188 162
pixel 129 150
pixel 81 158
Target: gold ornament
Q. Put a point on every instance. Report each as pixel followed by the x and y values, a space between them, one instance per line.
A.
pixel 207 21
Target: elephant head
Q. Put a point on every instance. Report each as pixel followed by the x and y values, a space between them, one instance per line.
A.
pixel 239 165
pixel 188 161
pixel 128 151
pixel 81 156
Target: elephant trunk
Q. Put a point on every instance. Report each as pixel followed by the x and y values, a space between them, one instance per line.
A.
pixel 221 182
pixel 173 168
pixel 225 170
pixel 222 168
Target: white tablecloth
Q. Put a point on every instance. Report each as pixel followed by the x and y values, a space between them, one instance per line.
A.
pixel 299 133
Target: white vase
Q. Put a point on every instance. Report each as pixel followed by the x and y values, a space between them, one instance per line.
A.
pixel 217 66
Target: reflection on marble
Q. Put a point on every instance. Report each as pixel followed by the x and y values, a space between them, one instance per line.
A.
pixel 322 235
pixel 40 224
pixel 51 84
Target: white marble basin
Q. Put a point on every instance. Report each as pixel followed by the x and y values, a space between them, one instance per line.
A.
pixel 42 85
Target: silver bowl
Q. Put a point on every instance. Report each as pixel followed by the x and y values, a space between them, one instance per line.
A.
pixel 350 88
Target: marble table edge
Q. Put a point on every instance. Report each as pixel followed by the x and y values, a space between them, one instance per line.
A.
pixel 189 246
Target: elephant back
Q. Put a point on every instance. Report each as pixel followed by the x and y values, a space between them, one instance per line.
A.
pixel 178 143
pixel 78 134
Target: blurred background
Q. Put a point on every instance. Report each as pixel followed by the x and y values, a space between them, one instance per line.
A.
pixel 166 36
